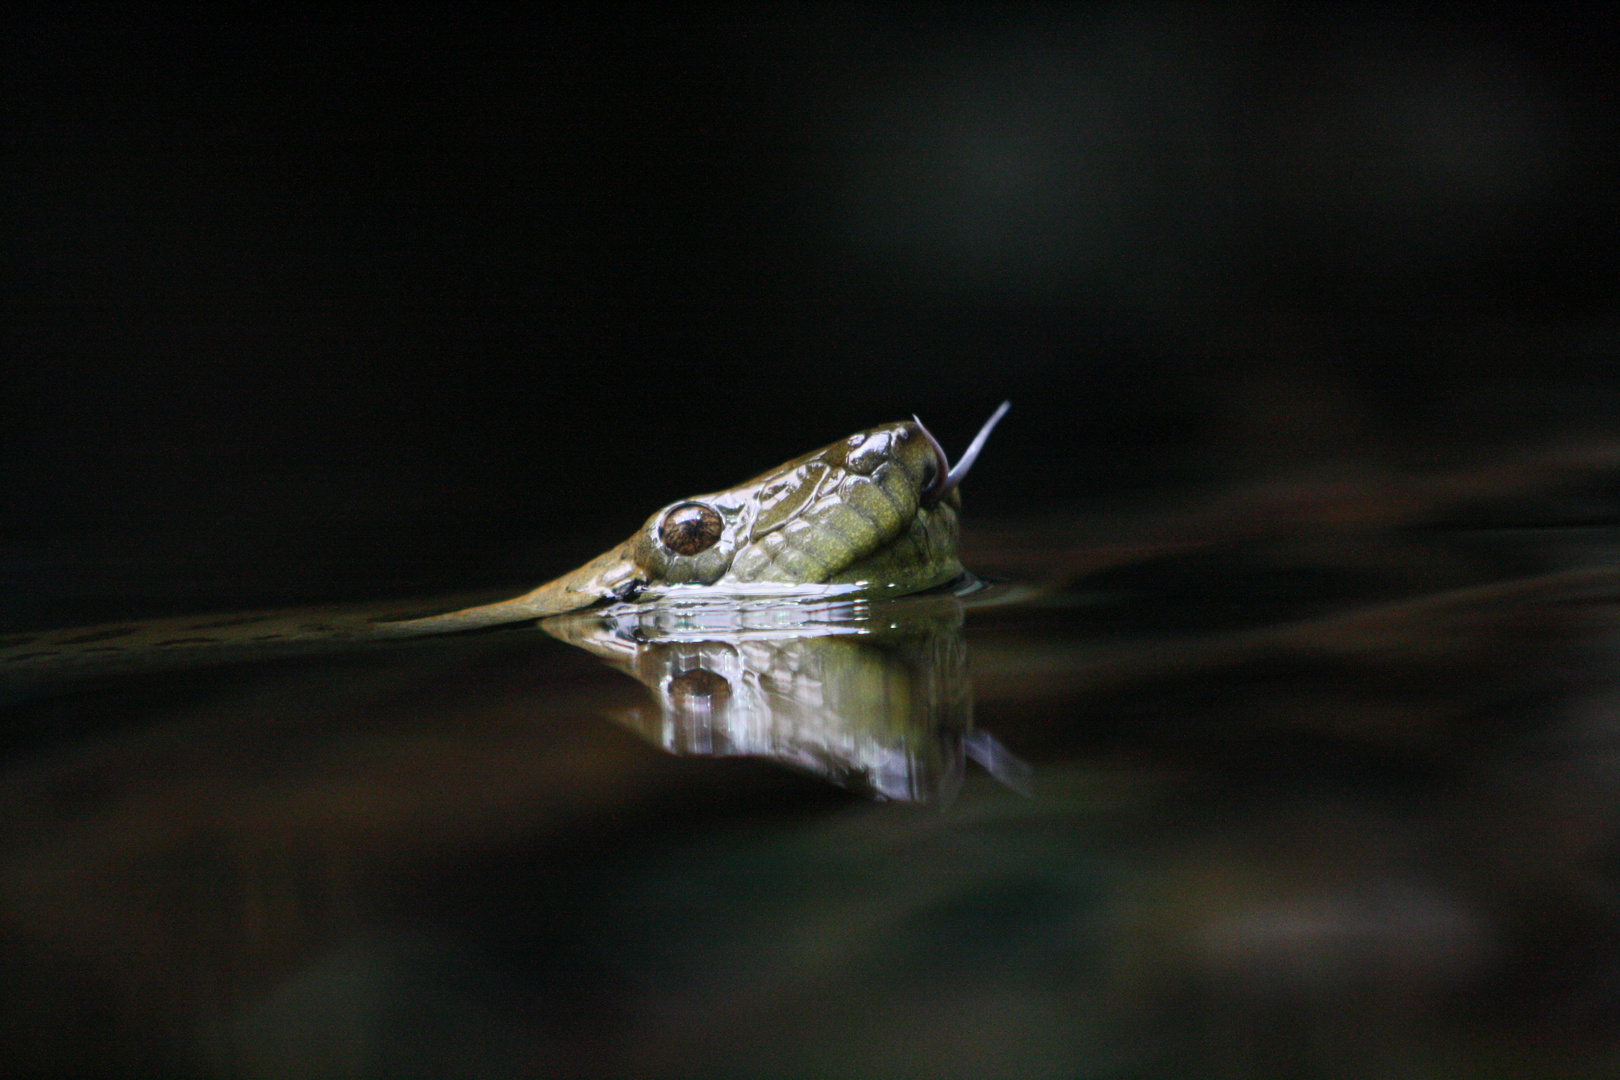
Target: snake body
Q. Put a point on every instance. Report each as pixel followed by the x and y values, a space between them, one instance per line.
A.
pixel 871 515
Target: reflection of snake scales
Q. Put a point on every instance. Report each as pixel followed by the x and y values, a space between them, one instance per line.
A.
pixel 872 515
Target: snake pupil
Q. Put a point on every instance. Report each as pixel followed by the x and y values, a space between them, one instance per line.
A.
pixel 690 528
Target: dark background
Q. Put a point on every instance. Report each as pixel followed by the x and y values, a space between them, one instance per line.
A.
pixel 317 309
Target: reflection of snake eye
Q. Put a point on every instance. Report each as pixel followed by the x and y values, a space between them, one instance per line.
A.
pixel 699 687
pixel 689 528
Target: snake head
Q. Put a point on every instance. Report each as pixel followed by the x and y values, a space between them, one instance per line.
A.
pixel 855 513
pixel 872 514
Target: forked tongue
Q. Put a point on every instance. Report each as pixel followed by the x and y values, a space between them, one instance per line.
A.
pixel 949 479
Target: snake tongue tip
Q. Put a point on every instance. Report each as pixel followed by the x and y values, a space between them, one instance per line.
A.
pixel 948 476
pixel 971 455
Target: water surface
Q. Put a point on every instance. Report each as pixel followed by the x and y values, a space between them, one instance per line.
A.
pixel 1219 790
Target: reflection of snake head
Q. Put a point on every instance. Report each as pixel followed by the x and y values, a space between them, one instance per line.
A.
pixel 874 697
pixel 875 513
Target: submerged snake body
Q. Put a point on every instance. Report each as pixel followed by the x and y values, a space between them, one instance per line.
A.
pixel 872 515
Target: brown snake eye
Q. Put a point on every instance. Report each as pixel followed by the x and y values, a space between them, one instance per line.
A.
pixel 689 528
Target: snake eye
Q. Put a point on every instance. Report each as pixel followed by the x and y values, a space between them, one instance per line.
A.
pixel 689 528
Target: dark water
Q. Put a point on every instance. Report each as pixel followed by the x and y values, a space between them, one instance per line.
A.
pixel 1327 793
